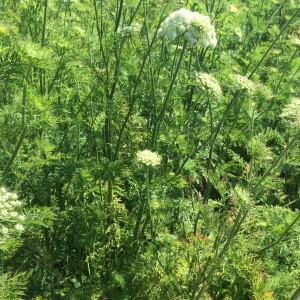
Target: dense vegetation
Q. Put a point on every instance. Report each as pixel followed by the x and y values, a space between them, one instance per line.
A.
pixel 149 158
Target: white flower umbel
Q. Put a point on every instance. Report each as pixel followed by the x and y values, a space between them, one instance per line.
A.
pixel 134 28
pixel 148 158
pixel 194 27
pixel 292 111
pixel 10 217
pixel 245 83
pixel 210 84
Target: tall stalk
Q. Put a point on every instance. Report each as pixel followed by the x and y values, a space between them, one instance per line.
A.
pixel 110 88
pixel 23 127
pixel 143 202
pixel 233 102
pixel 159 119
pixel 213 264
pixel 43 42
pixel 273 43
pixel 133 95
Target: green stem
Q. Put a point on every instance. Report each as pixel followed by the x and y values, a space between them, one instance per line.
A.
pixel 16 151
pixel 138 221
pixel 283 235
pixel 135 12
pixel 60 65
pixel 23 126
pixel 250 174
pixel 24 96
pixel 296 295
pixel 44 23
pixel 258 38
pixel 100 37
pixel 165 102
pixel 231 104
pixel 214 135
pixel 141 210
pixel 208 187
pixel 258 187
pixel 43 42
pixel 133 92
pixel 119 14
pixel 285 71
pixel 273 43
pixel 217 260
pixel 238 222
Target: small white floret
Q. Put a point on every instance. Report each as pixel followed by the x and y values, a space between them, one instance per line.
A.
pixel 19 227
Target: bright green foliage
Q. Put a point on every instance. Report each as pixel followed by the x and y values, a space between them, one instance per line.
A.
pixel 212 212
pixel 12 286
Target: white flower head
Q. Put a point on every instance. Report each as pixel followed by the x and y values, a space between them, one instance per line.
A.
pixel 19 227
pixel 5 195
pixel 2 190
pixel 14 196
pixel 4 230
pixel 245 83
pixel 9 205
pixel 194 27
pixel 292 111
pixel 12 203
pixel 210 84
pixel 16 203
pixel 134 28
pixel 148 158
pixel 21 217
pixel 13 214
pixel 4 213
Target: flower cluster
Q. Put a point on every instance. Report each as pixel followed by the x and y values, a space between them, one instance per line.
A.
pixel 10 218
pixel 209 84
pixel 292 111
pixel 194 27
pixel 148 158
pixel 130 30
pixel 245 83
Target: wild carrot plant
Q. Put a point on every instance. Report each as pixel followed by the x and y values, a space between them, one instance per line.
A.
pixel 154 147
